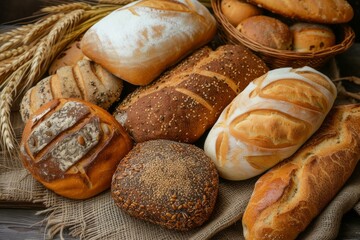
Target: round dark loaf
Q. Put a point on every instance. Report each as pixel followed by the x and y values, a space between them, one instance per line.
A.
pixel 73 147
pixel 187 100
pixel 168 183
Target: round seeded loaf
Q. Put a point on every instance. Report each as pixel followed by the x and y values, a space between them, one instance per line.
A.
pixel 168 183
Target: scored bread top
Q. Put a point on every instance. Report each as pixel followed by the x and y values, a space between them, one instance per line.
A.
pixel 320 11
pixel 73 147
pixel 188 99
pixel 269 121
pixel 300 187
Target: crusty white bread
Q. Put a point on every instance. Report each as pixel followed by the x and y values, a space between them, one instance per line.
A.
pixel 268 121
pixel 288 197
pixel 140 40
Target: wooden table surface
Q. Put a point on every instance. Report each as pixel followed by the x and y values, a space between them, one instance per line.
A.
pixel 21 223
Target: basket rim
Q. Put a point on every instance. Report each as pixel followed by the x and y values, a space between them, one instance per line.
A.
pixel 340 47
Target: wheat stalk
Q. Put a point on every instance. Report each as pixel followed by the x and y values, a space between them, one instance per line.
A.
pixel 15 32
pixel 39 28
pixel 13 52
pixel 66 7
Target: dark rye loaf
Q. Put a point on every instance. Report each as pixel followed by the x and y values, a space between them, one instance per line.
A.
pixel 186 101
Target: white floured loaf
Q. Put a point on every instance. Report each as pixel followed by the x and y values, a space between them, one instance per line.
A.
pixel 139 41
pixel 269 121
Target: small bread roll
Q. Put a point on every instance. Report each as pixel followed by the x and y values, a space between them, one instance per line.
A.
pixel 172 184
pixel 267 31
pixel 237 10
pixel 68 57
pixel 73 147
pixel 308 37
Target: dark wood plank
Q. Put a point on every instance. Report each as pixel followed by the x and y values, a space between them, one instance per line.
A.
pixel 20 224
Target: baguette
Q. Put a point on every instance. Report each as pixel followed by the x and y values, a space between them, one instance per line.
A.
pixel 288 197
pixel 184 102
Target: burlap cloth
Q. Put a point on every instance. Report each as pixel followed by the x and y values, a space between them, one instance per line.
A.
pixel 99 218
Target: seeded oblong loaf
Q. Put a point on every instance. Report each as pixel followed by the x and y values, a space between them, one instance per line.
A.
pixel 172 184
pixel 288 197
pixel 269 121
pixel 73 147
pixel 85 80
pixel 140 40
pixel 185 101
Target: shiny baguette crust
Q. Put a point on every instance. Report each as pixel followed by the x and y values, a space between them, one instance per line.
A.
pixel 87 176
pixel 151 36
pixel 188 99
pixel 288 197
pixel 85 80
pixel 325 11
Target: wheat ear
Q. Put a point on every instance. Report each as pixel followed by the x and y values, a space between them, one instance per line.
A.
pixel 66 7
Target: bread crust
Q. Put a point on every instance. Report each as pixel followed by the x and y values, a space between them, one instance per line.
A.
pixel 73 147
pixel 85 80
pixel 172 184
pixel 186 101
pixel 268 121
pixel 152 36
pixel 325 11
pixel 288 197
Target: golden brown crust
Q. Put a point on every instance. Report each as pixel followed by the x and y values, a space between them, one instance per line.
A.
pixel 168 183
pixel 267 31
pixel 73 147
pixel 187 100
pixel 237 10
pixel 309 37
pixel 288 197
pixel 324 11
pixel 85 80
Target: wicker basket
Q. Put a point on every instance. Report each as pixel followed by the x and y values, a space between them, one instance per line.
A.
pixel 275 58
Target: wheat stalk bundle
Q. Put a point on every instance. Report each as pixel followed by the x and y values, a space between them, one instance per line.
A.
pixel 27 51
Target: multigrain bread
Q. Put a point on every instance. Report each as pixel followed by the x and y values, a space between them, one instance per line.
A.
pixel 86 80
pixel 269 121
pixel 186 101
pixel 174 185
pixel 288 197
pixel 310 37
pixel 157 34
pixel 324 11
pixel 267 31
pixel 73 147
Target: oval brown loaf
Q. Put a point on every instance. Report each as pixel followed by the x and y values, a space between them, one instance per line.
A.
pixel 168 183
pixel 320 11
pixel 267 31
pixel 288 197
pixel 309 37
pixel 73 147
pixel 237 10
pixel 188 99
pixel 86 80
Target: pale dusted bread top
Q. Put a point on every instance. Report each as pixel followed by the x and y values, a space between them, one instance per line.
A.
pixel 320 11
pixel 269 121
pixel 139 41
